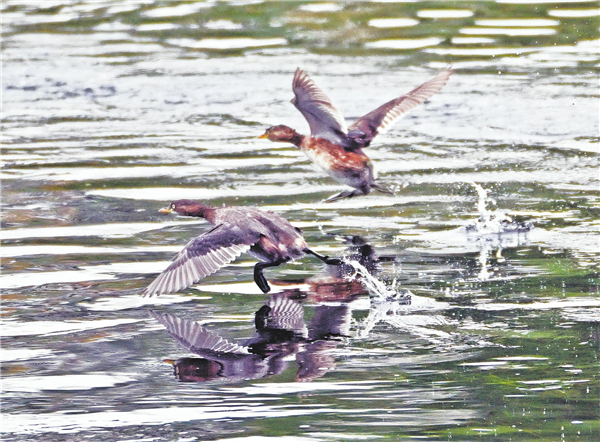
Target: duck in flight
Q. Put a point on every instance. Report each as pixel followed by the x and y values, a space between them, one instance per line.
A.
pixel 337 148
pixel 266 235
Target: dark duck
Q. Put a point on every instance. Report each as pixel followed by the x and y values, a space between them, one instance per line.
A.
pixel 266 235
pixel 337 148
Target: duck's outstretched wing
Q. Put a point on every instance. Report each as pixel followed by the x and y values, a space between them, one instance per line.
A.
pixel 201 257
pixel 324 119
pixel 195 338
pixel 378 121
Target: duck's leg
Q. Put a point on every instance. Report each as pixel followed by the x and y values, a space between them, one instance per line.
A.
pixel 344 194
pixel 324 258
pixel 259 278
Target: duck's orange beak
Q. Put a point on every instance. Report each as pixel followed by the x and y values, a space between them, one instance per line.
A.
pixel 169 361
pixel 166 210
pixel 265 135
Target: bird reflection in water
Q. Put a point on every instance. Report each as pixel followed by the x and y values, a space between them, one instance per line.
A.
pixel 281 331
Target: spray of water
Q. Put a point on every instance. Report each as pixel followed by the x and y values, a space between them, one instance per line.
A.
pixel 494 229
pixel 489 221
pixel 376 288
pixel 386 300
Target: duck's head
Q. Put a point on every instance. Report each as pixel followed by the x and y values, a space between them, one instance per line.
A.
pixel 185 208
pixel 281 133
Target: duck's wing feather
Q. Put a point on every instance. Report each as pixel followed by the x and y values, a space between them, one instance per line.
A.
pixel 201 257
pixel 285 314
pixel 324 119
pixel 378 121
pixel 195 338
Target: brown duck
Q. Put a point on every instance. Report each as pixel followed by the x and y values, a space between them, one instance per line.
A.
pixel 337 148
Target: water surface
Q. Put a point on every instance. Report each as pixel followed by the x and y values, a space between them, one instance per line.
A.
pixel 112 109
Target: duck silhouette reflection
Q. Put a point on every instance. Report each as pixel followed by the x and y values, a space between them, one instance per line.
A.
pixel 281 331
pixel 280 328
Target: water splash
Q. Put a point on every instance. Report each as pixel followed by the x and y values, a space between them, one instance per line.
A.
pixel 385 300
pixel 390 304
pixel 377 289
pixel 493 221
pixel 488 221
pixel 494 229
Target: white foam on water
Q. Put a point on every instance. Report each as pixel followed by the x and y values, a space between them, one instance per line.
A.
pixel 67 382
pixel 110 230
pixel 444 13
pixel 27 279
pixel 26 250
pixel 29 19
pixel 542 305
pixel 574 13
pixel 404 43
pixel 85 274
pixel 393 22
pixel 322 7
pixel 117 9
pixel 511 32
pixel 153 27
pixel 65 423
pixel 247 288
pixel 198 193
pixel 113 304
pixel 476 52
pixel 223 24
pixel 105 173
pixel 522 358
pixel 22 354
pixel 472 40
pixel 227 43
pixel 283 388
pixel 177 11
pixel 518 22
pixel 373 200
pixel 48 328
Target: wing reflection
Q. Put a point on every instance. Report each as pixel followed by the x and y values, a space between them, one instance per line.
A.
pixel 280 328
pixel 281 333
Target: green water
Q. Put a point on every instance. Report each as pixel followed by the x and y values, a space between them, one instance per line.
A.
pixel 112 109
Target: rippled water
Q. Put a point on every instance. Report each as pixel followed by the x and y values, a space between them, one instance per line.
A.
pixel 111 109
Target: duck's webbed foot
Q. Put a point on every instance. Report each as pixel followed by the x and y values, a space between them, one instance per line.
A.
pixel 259 278
pixel 383 188
pixel 325 259
pixel 344 194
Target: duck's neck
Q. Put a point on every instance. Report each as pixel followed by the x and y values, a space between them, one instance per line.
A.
pixel 200 210
pixel 295 138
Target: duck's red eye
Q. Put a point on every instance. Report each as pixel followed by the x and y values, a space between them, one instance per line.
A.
pixel 172 206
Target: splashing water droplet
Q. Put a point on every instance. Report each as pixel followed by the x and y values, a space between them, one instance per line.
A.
pixel 378 289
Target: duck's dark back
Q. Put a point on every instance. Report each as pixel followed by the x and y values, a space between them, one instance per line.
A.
pixel 268 224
